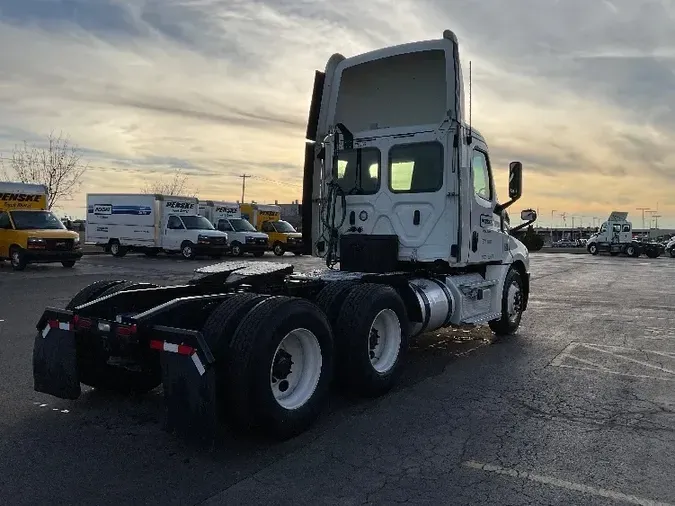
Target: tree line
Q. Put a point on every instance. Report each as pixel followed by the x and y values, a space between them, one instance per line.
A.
pixel 59 165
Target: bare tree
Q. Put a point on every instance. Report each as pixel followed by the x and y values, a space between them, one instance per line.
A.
pixel 58 166
pixel 177 184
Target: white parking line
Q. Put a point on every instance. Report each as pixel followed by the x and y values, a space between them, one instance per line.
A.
pixel 568 485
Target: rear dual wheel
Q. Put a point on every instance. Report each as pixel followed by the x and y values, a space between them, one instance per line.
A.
pixel 371 334
pixel 276 362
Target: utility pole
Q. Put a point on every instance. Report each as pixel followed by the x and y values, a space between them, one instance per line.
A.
pixel 243 185
pixel 643 209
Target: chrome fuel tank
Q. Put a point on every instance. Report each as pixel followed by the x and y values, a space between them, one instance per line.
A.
pixel 436 304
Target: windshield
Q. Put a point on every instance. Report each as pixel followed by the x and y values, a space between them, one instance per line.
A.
pixel 36 220
pixel 283 226
pixel 197 223
pixel 241 225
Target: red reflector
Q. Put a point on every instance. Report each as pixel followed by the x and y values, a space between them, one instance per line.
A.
pixel 185 350
pixel 83 323
pixel 53 324
pixel 126 330
pixel 157 345
pixel 76 319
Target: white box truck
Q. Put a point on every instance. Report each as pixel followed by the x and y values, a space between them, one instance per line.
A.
pixel 242 236
pixel 151 223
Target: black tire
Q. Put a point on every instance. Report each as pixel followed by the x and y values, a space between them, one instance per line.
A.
pixel 91 292
pixel 218 331
pixel 632 250
pixel 278 249
pixel 258 254
pixel 187 250
pixel 508 324
pixel 68 264
pixel 236 249
pixel 331 297
pixel 17 258
pixel 117 250
pixel 652 252
pixel 353 335
pixel 672 253
pixel 253 351
pixel 592 249
pixel 95 372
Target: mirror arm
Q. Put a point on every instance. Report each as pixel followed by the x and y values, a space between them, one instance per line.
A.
pixel 522 226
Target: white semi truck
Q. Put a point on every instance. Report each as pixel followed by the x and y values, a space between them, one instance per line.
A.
pixel 615 237
pixel 241 235
pixel 151 223
pixel 399 200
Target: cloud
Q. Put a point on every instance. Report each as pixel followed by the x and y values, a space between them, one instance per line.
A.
pixel 581 92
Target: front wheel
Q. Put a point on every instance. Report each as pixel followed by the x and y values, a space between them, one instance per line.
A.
pixel 17 259
pixel 513 298
pixel 672 253
pixel 593 249
pixel 236 250
pixel 187 251
pixel 278 249
pixel 632 251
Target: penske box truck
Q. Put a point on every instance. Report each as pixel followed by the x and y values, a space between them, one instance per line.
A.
pixel 242 236
pixel 151 223
pixel 29 232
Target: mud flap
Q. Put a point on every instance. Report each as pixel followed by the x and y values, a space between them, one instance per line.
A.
pixel 54 357
pixel 189 382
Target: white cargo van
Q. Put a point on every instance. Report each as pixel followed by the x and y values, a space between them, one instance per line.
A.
pixel 242 236
pixel 151 223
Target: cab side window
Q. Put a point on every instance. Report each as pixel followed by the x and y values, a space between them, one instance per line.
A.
pixel 4 221
pixel 626 228
pixel 224 226
pixel 174 223
pixel 616 228
pixel 480 168
pixel 603 228
pixel 268 227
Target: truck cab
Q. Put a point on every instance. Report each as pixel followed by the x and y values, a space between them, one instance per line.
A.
pixel 615 237
pixel 29 232
pixel 283 237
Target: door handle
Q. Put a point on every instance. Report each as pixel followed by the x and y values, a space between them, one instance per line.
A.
pixel 474 242
pixel 416 217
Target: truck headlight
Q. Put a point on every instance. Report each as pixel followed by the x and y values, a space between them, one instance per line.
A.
pixel 203 239
pixel 36 242
pixel 250 238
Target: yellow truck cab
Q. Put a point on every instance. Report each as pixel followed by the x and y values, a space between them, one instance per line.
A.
pixel 267 218
pixel 29 233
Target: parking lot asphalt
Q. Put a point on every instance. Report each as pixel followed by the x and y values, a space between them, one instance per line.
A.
pixel 578 408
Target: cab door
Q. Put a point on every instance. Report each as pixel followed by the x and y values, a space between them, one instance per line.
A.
pixel 486 240
pixel 174 233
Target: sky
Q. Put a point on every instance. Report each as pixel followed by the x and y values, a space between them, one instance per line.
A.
pixel 583 93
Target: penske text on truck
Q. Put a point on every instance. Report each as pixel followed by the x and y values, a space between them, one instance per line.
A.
pixel 242 236
pixel 29 233
pixel 151 223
